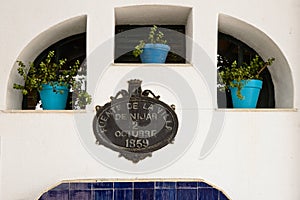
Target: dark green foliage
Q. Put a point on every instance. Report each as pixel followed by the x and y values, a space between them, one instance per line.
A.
pixel 244 72
pixel 50 72
pixel 155 37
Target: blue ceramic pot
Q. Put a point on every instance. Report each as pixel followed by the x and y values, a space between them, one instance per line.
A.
pixel 250 92
pixel 155 53
pixel 52 100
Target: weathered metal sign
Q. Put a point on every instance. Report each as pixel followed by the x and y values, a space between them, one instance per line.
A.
pixel 135 124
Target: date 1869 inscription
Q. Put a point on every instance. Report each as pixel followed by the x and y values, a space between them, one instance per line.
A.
pixel 134 123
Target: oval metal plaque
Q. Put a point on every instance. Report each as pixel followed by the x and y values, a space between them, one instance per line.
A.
pixel 135 124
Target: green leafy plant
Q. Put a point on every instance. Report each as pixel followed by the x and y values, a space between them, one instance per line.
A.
pixel 232 76
pixel 155 37
pixel 53 73
pixel 81 98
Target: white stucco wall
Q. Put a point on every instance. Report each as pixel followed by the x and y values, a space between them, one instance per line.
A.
pixel 256 156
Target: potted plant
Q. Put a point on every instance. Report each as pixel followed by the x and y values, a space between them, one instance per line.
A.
pixel 53 81
pixel 244 81
pixel 153 50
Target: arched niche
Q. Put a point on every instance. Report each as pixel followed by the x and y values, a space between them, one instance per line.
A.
pixel 42 41
pixel 265 47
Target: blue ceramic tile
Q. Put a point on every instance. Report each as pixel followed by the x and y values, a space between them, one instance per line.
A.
pixel 80 186
pixel 143 185
pixel 184 194
pixel 123 185
pixel 216 194
pixel 102 185
pixel 43 197
pixel 134 191
pixel 222 196
pixel 203 185
pixel 186 184
pixel 143 194
pixel 63 186
pixel 102 194
pixel 80 195
pixel 165 194
pixel 165 185
pixel 123 194
pixel 206 194
pixel 57 195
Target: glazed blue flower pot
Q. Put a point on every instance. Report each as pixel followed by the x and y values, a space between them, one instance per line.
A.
pixel 52 100
pixel 155 53
pixel 250 92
